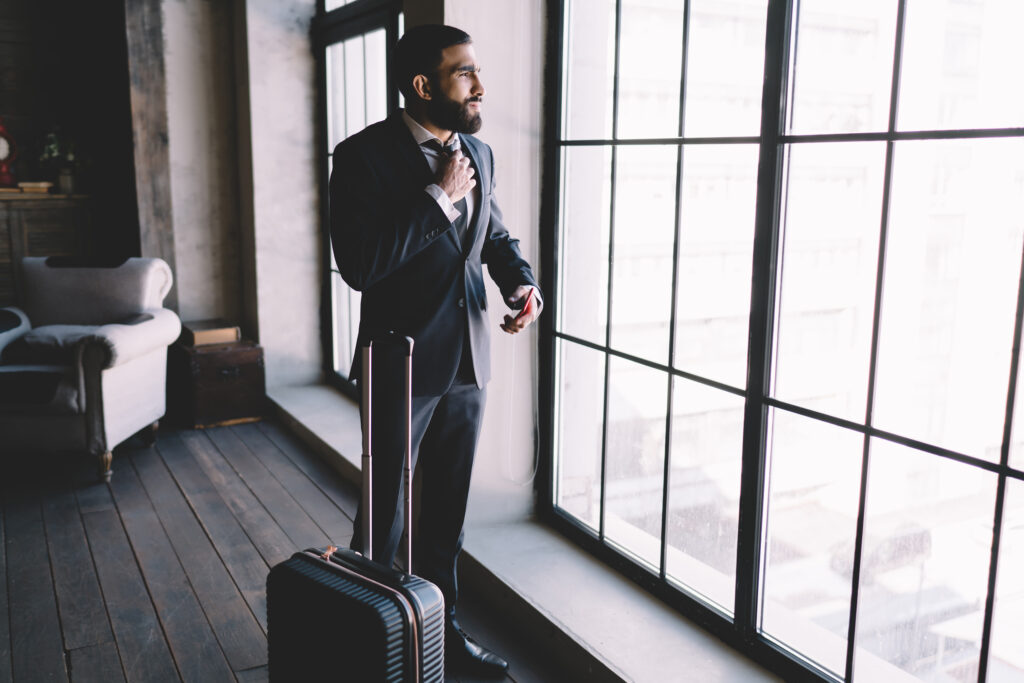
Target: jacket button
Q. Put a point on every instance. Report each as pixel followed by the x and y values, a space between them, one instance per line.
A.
pixel 462 303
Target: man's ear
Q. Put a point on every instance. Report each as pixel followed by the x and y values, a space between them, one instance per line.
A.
pixel 421 84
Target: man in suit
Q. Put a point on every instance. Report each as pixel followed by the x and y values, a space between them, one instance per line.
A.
pixel 413 221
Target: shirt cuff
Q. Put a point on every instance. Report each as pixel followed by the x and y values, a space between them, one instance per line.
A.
pixel 444 201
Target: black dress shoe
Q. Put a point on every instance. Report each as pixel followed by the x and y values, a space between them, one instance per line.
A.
pixel 465 655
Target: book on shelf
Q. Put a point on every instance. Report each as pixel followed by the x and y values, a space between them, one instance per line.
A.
pixel 35 186
pixel 212 331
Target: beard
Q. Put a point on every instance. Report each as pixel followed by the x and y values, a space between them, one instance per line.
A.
pixel 449 114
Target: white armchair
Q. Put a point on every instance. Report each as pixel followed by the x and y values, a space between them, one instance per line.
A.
pixel 83 361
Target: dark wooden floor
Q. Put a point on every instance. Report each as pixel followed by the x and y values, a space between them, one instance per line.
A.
pixel 160 575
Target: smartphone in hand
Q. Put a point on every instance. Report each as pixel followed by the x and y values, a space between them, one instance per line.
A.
pixel 528 306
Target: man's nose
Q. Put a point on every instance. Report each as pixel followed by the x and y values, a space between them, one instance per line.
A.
pixel 478 87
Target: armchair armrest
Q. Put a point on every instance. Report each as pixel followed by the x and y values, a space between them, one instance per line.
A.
pixel 13 324
pixel 122 342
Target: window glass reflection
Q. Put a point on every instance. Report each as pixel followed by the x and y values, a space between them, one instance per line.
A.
pixel 580 408
pixel 961 65
pixel 924 566
pixel 953 259
pixel 813 491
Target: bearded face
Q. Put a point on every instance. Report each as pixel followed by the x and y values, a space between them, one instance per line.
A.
pixel 451 114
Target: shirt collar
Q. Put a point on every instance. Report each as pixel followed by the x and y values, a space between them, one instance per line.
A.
pixel 421 134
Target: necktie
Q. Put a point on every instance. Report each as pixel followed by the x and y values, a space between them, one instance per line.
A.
pixel 462 222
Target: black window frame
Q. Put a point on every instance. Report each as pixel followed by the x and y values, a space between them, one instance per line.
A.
pixel 742 630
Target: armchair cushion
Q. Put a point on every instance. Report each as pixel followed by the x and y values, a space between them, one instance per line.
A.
pixel 122 341
pixel 47 345
pixel 92 296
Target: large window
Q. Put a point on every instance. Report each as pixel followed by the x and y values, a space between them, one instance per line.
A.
pixel 354 40
pixel 786 293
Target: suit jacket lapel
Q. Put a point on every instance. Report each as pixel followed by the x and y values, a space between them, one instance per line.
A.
pixel 483 182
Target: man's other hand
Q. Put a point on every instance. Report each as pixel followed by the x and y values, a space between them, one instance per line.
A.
pixel 455 176
pixel 530 310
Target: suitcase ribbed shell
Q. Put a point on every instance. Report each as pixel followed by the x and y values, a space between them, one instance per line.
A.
pixel 352 620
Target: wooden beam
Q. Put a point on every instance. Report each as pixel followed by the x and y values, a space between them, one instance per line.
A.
pixel 144 33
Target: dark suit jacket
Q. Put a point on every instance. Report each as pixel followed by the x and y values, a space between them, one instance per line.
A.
pixel 393 243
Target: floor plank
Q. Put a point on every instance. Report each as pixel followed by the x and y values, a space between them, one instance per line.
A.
pixel 234 624
pixel 83 616
pixel 260 675
pixel 144 653
pixel 324 511
pixel 344 494
pixel 37 647
pixel 192 643
pixel 290 516
pixel 270 540
pixel 96 663
pixel 243 561
pixel 6 676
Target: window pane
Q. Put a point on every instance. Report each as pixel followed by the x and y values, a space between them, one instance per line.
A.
pixel 950 292
pixel 589 69
pixel 842 66
pixel 961 61
pixel 580 413
pixel 583 271
pixel 828 268
pixel 334 4
pixel 650 62
pixel 637 399
pixel 376 76
pixel 813 493
pixel 355 86
pixel 703 512
pixel 335 94
pixel 924 566
pixel 724 67
pixel 716 239
pixel 1006 656
pixel 644 234
pixel 346 323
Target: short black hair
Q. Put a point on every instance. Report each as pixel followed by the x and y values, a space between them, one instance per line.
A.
pixel 419 52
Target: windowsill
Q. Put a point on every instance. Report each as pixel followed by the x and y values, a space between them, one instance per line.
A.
pixel 596 620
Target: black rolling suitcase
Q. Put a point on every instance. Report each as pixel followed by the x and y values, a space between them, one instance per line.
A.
pixel 339 616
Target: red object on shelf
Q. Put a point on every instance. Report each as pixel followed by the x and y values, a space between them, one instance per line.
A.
pixel 8 152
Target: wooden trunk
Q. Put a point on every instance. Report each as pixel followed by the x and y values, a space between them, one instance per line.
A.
pixel 215 384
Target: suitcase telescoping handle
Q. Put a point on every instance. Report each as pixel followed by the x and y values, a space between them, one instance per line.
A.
pixel 367 531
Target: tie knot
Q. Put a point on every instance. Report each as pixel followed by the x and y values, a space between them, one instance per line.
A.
pixel 444 150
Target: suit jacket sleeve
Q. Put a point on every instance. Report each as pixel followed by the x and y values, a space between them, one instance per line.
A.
pixel 500 252
pixel 376 229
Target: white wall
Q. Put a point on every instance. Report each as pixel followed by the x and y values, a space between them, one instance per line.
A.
pixel 285 187
pixel 201 144
pixel 508 37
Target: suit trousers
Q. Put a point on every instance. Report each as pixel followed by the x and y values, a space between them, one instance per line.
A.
pixel 445 431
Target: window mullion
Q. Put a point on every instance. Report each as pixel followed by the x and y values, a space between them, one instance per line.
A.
pixel 611 273
pixel 1004 460
pixel 883 235
pixel 666 481
pixel 765 261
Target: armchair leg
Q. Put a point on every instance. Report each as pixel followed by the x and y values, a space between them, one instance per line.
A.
pixel 148 434
pixel 104 466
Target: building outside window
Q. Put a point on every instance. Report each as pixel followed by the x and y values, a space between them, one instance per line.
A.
pixel 786 314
